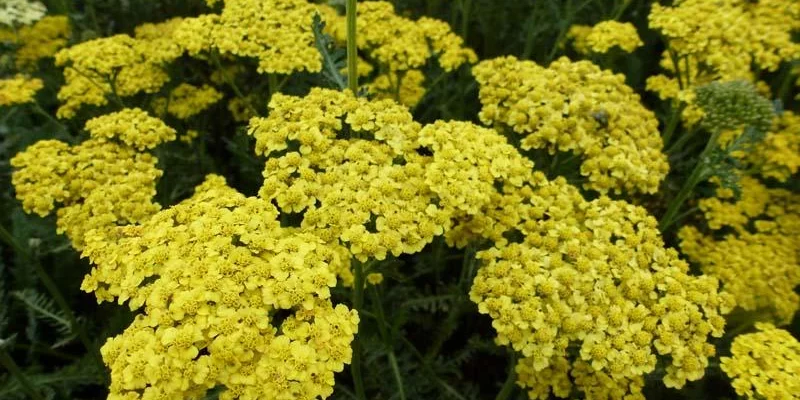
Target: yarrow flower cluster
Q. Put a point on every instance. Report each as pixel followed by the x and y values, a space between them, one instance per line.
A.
pixel 40 40
pixel 576 107
pixel 114 66
pixel 186 101
pixel 595 276
pixel 764 364
pixel 370 194
pixel 211 273
pixel 400 46
pixel 604 36
pixel 757 263
pixel 132 126
pixel 778 155
pixel 720 40
pixel 278 33
pixel 19 90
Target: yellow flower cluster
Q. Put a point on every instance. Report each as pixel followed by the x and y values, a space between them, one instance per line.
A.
pixel 765 364
pixel 186 101
pixel 212 275
pixel 758 262
pixel 595 277
pixel 41 40
pixel 778 155
pixel 21 12
pixel 721 40
pixel 132 126
pixel 95 184
pixel 19 90
pixel 604 36
pixel 276 32
pixel 369 194
pixel 399 47
pixel 407 87
pixel 576 107
pixel 114 66
pixel 399 43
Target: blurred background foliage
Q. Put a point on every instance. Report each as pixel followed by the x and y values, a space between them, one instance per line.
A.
pixel 444 347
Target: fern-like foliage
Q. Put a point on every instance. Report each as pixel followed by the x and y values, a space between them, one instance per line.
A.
pixel 333 58
pixel 43 308
pixel 59 384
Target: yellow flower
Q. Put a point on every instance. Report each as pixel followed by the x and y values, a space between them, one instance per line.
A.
pixel 576 107
pixel 594 276
pixel 19 90
pixel 764 364
pixel 210 275
pixel 186 101
pixel 41 40
pixel 604 36
pixel 756 262
pixel 131 126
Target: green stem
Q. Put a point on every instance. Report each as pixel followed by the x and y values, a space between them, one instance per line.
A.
pixel 15 371
pixel 508 386
pixel 697 175
pixel 358 305
pixel 672 124
pixel 352 57
pixel 397 377
pixel 52 288
pixel 678 145
pixel 621 9
pixel 786 84
pixel 466 6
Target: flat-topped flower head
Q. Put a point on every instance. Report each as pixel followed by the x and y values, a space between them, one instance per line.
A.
pixel 755 258
pixel 94 185
pixel 764 364
pixel 211 275
pixel 399 43
pixel 19 90
pixel 576 107
pixel 595 276
pixel 350 167
pixel 605 36
pixel 132 126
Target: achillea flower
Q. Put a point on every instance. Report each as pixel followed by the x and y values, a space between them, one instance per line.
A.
pixel 118 65
pixel 406 87
pixel 398 43
pixel 41 40
pixel 577 107
pixel 368 193
pixel 186 101
pixel 764 364
pixel 721 41
pixel 210 275
pixel 604 36
pixel 596 276
pixel 778 155
pixel 757 263
pixel 131 126
pixel 95 185
pixel 19 90
pixel 276 32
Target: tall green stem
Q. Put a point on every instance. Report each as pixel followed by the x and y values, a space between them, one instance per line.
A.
pixel 466 7
pixel 232 83
pixel 352 58
pixel 697 176
pixel 358 305
pixel 508 386
pixel 17 373
pixel 52 288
